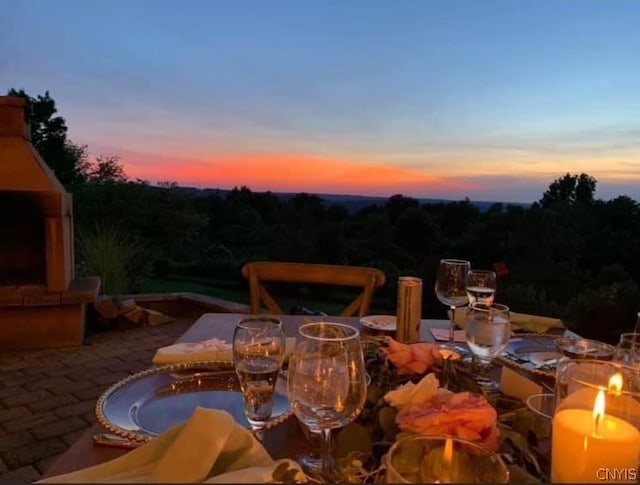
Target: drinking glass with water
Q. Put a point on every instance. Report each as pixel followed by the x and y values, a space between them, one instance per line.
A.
pixel 487 330
pixel 258 352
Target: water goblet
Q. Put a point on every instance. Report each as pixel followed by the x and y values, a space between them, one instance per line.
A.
pixel 258 352
pixel 487 330
pixel 451 290
pixel 327 381
pixel 481 286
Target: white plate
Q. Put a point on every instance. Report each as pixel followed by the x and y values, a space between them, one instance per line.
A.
pixel 379 322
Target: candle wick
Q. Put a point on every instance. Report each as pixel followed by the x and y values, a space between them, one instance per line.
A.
pixel 596 424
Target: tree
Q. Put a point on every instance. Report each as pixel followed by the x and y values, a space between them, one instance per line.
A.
pixel 585 188
pixel 106 169
pixel 570 189
pixel 49 136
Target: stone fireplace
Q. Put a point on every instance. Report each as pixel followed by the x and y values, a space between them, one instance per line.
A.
pixel 41 303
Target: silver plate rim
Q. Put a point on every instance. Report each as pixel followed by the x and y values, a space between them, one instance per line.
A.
pixel 141 437
pixel 509 362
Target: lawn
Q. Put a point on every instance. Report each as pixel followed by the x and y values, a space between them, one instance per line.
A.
pixel 332 303
pixel 210 288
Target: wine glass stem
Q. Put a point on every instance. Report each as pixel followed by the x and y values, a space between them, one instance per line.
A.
pixel 484 369
pixel 259 435
pixel 315 437
pixel 327 465
pixel 452 325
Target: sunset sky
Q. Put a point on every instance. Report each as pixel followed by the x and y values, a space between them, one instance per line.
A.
pixel 490 100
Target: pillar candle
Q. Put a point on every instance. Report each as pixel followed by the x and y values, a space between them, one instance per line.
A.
pixel 583 451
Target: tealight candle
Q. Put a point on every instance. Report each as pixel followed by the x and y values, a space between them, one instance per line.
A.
pixel 592 446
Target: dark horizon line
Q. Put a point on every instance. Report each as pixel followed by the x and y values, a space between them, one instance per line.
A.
pixel 362 198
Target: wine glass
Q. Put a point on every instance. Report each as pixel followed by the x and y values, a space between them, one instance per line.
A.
pixel 487 330
pixel 258 352
pixel 481 286
pixel 451 289
pixel 327 381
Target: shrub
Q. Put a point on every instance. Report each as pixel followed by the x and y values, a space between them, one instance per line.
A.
pixel 119 261
pixel 604 313
pixel 525 298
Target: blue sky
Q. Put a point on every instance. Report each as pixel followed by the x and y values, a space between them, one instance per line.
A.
pixel 487 99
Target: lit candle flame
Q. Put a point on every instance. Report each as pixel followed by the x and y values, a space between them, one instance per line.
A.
pixel 615 384
pixel 447 462
pixel 598 411
pixel 447 454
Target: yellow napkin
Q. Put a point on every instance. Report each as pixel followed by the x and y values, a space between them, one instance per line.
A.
pixel 519 321
pixel 213 349
pixel 210 447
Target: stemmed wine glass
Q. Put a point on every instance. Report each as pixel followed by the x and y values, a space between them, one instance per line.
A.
pixel 487 330
pixel 451 289
pixel 258 352
pixel 327 381
pixel 481 286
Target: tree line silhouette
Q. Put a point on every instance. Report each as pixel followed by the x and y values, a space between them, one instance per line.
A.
pixel 569 255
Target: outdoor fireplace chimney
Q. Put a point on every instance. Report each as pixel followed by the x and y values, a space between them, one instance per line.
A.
pixel 41 304
pixel 31 196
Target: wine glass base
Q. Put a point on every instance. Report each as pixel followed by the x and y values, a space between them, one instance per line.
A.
pixel 453 347
pixel 311 464
pixel 488 385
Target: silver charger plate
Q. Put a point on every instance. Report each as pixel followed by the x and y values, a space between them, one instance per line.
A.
pixel 386 323
pixel 533 352
pixel 150 402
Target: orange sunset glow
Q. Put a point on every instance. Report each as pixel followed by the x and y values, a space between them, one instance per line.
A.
pixel 288 172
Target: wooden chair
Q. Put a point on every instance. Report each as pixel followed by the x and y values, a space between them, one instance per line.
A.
pixel 256 273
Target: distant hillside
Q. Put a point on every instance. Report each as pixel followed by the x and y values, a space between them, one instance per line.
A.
pixel 353 203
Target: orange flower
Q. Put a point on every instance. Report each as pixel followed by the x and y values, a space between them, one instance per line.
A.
pixel 461 414
pixel 411 358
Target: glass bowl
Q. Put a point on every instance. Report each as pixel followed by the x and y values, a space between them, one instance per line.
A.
pixel 423 459
pixel 582 348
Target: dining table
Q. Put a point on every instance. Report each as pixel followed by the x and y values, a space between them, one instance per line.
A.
pixel 286 440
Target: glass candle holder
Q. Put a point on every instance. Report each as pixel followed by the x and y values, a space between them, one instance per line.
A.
pixel 596 425
pixel 542 407
pixel 442 459
pixel 628 349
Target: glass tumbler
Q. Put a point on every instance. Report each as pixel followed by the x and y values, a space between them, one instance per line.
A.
pixel 258 352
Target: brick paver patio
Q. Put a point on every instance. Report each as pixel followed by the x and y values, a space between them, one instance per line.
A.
pixel 47 397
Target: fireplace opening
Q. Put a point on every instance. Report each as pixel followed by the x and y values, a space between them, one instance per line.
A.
pixel 22 240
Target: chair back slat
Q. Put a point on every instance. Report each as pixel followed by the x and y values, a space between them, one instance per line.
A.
pixel 256 273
